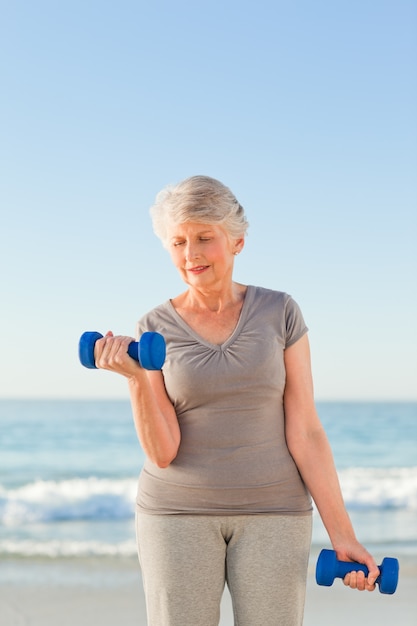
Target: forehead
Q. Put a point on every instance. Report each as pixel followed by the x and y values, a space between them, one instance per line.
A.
pixel 192 229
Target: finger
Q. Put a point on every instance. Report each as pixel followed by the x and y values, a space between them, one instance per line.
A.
pixel 119 348
pixel 113 352
pixel 372 576
pixel 111 347
pixel 104 350
pixel 356 580
pixel 98 350
pixel 360 581
pixel 369 586
pixel 353 580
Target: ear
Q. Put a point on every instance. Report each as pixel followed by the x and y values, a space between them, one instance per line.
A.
pixel 238 245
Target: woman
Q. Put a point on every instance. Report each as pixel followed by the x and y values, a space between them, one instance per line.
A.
pixel 234 446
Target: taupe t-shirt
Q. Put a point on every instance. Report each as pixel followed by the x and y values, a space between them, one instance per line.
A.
pixel 233 458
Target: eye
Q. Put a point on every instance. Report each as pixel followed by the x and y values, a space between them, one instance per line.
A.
pixel 178 243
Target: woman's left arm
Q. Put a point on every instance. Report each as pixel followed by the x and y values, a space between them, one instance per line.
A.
pixel 310 449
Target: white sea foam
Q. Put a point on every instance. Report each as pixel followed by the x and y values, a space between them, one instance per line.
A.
pixel 96 499
pixel 75 499
pixel 94 517
pixel 380 488
pixel 67 548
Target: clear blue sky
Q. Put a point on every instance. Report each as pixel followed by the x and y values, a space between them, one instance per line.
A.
pixel 307 110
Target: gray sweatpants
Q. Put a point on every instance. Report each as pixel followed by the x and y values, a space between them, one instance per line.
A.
pixel 187 559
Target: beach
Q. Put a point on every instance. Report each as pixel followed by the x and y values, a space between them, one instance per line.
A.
pixel 108 591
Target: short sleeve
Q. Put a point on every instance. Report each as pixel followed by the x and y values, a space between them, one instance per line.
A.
pixel 294 323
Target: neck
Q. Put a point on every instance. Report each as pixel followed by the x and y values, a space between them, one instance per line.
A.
pixel 214 301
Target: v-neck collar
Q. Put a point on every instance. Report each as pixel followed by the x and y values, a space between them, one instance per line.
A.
pixel 250 291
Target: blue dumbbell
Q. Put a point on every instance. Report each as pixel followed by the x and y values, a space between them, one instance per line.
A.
pixel 328 568
pixel 149 351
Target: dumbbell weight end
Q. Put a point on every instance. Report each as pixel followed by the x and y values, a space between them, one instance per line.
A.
pixel 149 351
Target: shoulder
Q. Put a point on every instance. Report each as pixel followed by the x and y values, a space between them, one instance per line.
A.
pixel 283 309
pixel 270 296
pixel 156 319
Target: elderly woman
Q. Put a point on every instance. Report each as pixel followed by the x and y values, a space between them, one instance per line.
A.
pixel 234 446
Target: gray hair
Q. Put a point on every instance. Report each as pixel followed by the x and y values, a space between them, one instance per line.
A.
pixel 198 199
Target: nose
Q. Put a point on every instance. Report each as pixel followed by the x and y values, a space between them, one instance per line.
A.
pixel 191 252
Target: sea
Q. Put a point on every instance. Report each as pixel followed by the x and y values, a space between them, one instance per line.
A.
pixel 69 470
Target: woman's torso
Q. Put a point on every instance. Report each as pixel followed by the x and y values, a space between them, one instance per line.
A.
pixel 228 398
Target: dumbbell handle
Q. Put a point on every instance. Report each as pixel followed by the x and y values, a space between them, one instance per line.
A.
pixel 149 351
pixel 345 567
pixel 329 567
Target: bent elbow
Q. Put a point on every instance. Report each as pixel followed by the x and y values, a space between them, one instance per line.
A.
pixel 162 462
pixel 162 454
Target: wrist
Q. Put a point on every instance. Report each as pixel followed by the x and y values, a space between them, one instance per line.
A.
pixel 135 379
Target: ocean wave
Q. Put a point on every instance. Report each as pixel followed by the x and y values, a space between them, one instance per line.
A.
pixel 97 499
pixel 53 549
pixel 74 499
pixel 56 549
pixel 379 488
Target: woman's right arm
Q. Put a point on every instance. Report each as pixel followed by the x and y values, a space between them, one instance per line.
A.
pixel 154 416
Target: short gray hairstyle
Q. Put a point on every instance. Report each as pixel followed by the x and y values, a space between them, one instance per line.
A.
pixel 198 199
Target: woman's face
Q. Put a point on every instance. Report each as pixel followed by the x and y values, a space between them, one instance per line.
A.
pixel 203 253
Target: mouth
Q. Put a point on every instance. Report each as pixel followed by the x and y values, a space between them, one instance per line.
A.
pixel 198 269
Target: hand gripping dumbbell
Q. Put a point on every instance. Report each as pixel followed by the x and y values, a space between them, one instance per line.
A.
pixel 149 351
pixel 328 568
